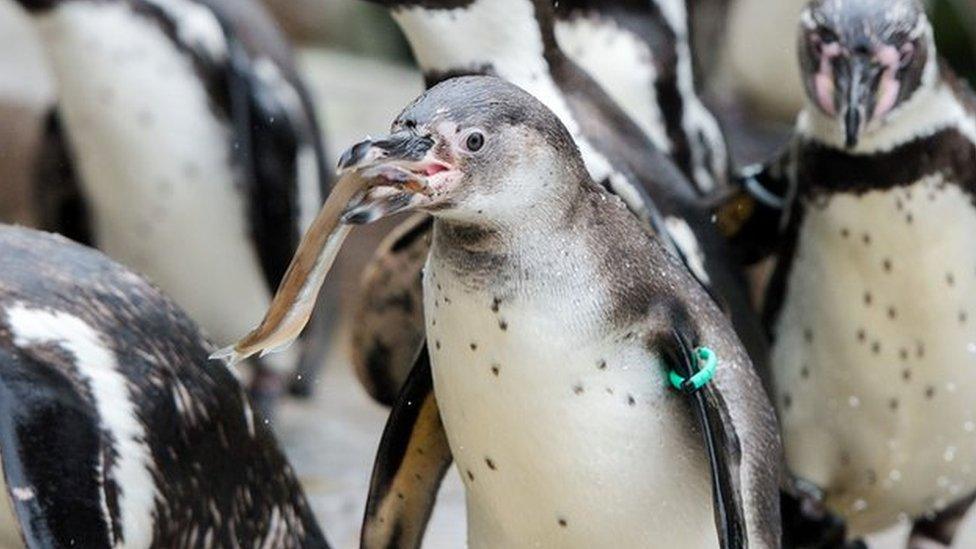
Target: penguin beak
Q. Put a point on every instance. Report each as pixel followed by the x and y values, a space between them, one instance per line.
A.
pixel 856 91
pixel 377 178
pixel 403 174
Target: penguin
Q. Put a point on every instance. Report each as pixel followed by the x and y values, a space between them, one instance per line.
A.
pixel 552 319
pixel 115 429
pixel 196 155
pixel 640 52
pixel 870 308
pixel 516 40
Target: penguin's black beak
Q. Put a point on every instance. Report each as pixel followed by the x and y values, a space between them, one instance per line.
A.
pixel 857 93
pixel 402 173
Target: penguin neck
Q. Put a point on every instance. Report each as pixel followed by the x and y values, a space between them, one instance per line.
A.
pixel 518 236
pixel 511 39
pixel 934 107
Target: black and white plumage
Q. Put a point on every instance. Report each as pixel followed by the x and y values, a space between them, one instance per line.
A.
pixel 537 333
pixel 871 308
pixel 195 145
pixel 640 52
pixel 516 40
pixel 116 430
pixel 548 354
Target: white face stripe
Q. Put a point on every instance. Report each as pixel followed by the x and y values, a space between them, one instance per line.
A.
pixel 97 363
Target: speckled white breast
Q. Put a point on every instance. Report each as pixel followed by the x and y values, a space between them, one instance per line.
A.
pixel 155 164
pixel 562 439
pixel 876 351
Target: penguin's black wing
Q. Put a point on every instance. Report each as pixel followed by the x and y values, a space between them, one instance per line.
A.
pixel 721 445
pixel 752 214
pixel 278 145
pixel 57 501
pixel 58 198
pixel 410 465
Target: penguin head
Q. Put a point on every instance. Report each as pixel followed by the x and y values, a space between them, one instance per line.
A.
pixel 473 149
pixel 863 59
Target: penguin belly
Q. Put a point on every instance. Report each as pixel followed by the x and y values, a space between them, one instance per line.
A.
pixel 875 350
pixel 156 163
pixel 562 440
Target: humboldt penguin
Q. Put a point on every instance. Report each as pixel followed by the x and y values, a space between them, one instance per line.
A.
pixel 115 429
pixel 554 320
pixel 871 309
pixel 197 155
pixel 516 40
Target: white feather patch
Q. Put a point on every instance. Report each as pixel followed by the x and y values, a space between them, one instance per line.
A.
pixel 97 363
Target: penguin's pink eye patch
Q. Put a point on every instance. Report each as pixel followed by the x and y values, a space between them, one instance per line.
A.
pixel 824 83
pixel 892 60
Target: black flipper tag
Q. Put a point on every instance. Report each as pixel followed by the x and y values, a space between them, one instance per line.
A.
pixel 410 465
pixel 722 448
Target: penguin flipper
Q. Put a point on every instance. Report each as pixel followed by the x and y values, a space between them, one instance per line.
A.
pixel 388 320
pixel 57 502
pixel 411 462
pixel 279 144
pixel 721 446
pixel 267 146
pixel 752 215
pixel 59 201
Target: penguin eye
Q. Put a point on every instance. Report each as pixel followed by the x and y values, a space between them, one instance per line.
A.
pixel 827 36
pixel 475 141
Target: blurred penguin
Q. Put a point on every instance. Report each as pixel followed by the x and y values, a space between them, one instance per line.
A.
pixel 186 146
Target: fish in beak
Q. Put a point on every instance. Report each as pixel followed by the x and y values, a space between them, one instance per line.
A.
pixel 378 178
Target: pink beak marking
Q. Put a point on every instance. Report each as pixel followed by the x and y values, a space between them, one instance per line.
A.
pixel 890 58
pixel 823 81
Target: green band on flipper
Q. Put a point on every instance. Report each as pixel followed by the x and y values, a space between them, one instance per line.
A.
pixel 707 363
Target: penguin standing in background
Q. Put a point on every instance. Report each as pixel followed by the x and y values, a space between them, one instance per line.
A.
pixel 115 429
pixel 640 52
pixel 872 308
pixel 195 147
pixel 516 40
pixel 553 318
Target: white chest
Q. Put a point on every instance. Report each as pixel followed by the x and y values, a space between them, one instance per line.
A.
pixel 562 439
pixel 875 349
pixel 155 164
